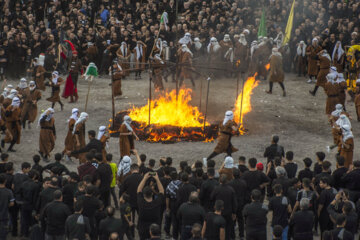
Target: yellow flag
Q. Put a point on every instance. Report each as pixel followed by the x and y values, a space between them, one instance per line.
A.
pixel 289 25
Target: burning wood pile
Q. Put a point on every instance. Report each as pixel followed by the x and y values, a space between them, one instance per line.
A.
pixel 174 119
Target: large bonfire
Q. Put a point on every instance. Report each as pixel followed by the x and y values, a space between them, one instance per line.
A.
pixel 175 119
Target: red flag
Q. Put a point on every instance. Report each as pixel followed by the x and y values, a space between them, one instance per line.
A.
pixel 69 87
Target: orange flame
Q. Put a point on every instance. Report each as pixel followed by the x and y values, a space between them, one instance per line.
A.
pixel 267 66
pixel 167 111
pixel 244 98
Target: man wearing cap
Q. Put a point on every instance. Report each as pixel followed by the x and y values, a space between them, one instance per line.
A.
pixel 29 110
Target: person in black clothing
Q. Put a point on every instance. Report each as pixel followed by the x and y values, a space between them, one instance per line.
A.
pixel 103 178
pixel 29 192
pixel 214 224
pixel 90 205
pixel 110 225
pixel 62 168
pixel 347 209
pixel 255 217
pixel 6 200
pixel 77 226
pixel 302 221
pixel 281 208
pixel 4 160
pixel 242 196
pixel 307 193
pixel 320 156
pixel 93 143
pixel 340 232
pixel 37 166
pixel 142 167
pixel 149 208
pixel 326 172
pixel 351 181
pixel 255 179
pixel 339 172
pixel 70 189
pixel 306 172
pixel 55 215
pixel 227 194
pixel 196 232
pixel 125 213
pixel 206 189
pixel 325 198
pixel 169 164
pixel 18 180
pixel 295 186
pixel 190 213
pixel 171 209
pixel 184 190
pixel 290 166
pixel 47 194
pixel 129 186
pixel 242 164
pixel 281 179
pixel 274 150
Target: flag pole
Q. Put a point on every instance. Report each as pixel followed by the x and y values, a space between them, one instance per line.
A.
pixel 242 98
pixel 88 92
pixel 112 94
pixel 206 104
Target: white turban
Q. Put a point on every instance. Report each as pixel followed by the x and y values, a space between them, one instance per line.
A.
pixel 48 117
pixel 101 132
pixel 229 115
pixel 229 162
pixel 127 122
pixel 22 84
pixel 74 114
pixel 15 102
pixel 83 117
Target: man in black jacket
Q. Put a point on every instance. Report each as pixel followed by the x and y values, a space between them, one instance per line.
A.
pixel 242 196
pixel 255 217
pixel 227 194
pixel 103 178
pixel 302 221
pixel 110 224
pixel 129 186
pixel 93 144
pixel 55 215
pixel 274 150
pixel 77 226
pixel 206 189
pixel 340 232
pixel 351 181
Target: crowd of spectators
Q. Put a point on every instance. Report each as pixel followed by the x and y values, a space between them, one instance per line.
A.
pixel 29 28
pixel 192 201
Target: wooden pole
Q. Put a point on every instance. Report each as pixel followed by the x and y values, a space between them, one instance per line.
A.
pixel 88 92
pixel 112 94
pixel 242 97
pixel 237 86
pixel 206 104
pixel 150 78
pixel 201 81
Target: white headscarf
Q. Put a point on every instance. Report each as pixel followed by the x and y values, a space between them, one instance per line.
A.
pixel 333 69
pixel 22 84
pixel 301 51
pixel 10 87
pixel 343 120
pixel 214 43
pixel 48 117
pixel 101 132
pixel 184 48
pixel 32 85
pixel 229 115
pixel 13 93
pixel 74 114
pixel 229 162
pixel 275 52
pixel 159 45
pixel 83 117
pixel 197 43
pixel 55 79
pixel 139 50
pixel 124 166
pixel 340 78
pixel 347 133
pixel 339 50
pixel 186 39
pixel 226 38
pixel 5 92
pixel 315 40
pixel 338 110
pixel 15 102
pixel 254 46
pixel 123 49
pixel 325 54
pixel 242 39
pixel 331 77
pixel 127 122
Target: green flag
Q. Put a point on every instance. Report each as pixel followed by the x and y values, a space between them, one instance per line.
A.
pixel 262 27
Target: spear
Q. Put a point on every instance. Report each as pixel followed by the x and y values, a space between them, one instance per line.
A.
pixel 112 93
pixel 242 97
pixel 91 71
pixel 206 105
pixel 150 79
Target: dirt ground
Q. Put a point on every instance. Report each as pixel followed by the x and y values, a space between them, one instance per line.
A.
pixel 298 119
